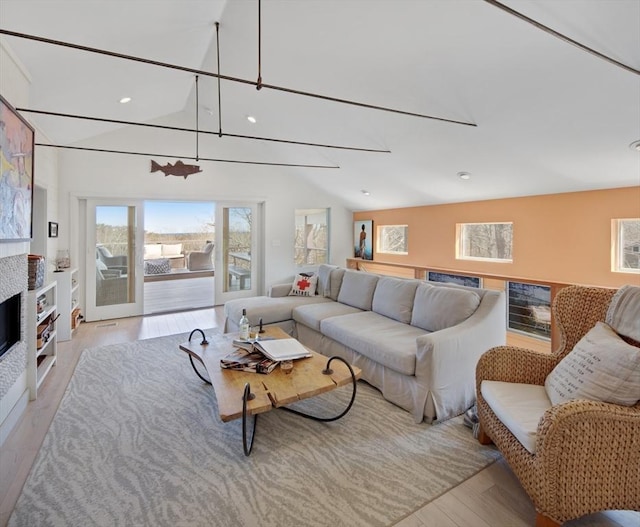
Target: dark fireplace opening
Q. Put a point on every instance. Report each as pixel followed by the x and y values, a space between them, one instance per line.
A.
pixel 9 323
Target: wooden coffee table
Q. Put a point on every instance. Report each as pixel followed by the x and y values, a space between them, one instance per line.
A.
pixel 243 394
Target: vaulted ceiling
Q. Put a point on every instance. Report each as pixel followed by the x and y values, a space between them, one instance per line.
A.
pixel 548 117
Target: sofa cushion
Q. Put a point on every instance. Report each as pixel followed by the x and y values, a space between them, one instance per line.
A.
pixel 311 315
pixel 304 285
pixel 171 249
pixel 394 297
pixel 336 277
pixel 152 250
pixel 519 407
pixel 437 308
pixel 272 310
pixel 601 367
pixel 324 279
pixel 388 342
pixel 357 289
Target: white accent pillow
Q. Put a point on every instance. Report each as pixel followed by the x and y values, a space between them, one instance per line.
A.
pixel 304 285
pixel 601 367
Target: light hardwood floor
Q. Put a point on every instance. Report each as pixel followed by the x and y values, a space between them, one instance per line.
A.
pixel 491 498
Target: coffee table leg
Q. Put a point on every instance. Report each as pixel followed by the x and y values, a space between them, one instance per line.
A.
pixel 197 372
pixel 247 396
pixel 329 371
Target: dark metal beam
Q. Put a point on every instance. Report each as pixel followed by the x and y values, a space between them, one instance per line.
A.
pixel 155 154
pixel 225 77
pixel 179 129
pixel 559 35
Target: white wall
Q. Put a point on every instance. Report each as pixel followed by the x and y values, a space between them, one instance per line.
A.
pixel 281 189
pixel 14 86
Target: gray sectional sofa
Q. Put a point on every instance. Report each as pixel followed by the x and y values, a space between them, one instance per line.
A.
pixel 418 343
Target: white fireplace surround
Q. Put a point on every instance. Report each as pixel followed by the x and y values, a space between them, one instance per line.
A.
pixel 13 364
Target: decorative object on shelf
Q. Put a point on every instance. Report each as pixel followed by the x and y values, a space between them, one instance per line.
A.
pixel 53 229
pixel 179 169
pixel 35 271
pixel 16 183
pixel 62 260
pixel 363 239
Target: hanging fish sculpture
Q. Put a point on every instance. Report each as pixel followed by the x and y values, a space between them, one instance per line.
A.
pixel 178 169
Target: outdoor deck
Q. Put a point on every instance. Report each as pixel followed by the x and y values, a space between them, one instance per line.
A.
pixel 179 290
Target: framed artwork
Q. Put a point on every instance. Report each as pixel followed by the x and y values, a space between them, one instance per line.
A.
pixel 17 139
pixel 460 279
pixel 363 239
pixel 53 229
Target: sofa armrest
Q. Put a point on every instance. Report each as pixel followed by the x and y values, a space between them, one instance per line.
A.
pixel 513 364
pixel 446 359
pixel 279 290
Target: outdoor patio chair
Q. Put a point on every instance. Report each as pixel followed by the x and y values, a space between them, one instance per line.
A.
pixel 201 260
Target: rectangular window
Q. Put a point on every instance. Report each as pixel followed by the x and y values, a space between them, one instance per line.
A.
pixel 484 241
pixel 393 239
pixel 311 246
pixel 529 309
pixel 469 281
pixel 626 245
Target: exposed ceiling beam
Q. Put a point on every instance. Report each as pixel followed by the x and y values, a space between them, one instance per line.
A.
pixel 559 35
pixel 227 77
pixel 155 154
pixel 182 129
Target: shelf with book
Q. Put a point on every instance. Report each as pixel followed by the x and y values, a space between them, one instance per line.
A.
pixel 42 352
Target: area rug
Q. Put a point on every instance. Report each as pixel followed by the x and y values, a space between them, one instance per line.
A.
pixel 137 441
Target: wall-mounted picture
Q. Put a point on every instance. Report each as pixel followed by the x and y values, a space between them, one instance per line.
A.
pixel 460 279
pixel 363 239
pixel 16 177
pixel 53 229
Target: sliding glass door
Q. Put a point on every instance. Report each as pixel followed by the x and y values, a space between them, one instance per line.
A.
pixel 114 279
pixel 236 255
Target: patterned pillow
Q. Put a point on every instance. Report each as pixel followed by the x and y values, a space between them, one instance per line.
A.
pixel 157 266
pixel 304 284
pixel 601 367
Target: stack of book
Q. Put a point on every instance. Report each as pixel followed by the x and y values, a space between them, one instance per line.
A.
pixel 262 356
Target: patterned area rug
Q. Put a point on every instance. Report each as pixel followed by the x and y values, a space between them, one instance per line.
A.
pixel 137 441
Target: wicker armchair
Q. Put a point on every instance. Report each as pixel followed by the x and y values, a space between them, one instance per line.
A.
pixel 587 456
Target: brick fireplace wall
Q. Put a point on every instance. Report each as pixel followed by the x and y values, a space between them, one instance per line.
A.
pixel 13 280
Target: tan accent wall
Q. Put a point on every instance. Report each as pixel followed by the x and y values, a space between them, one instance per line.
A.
pixel 557 237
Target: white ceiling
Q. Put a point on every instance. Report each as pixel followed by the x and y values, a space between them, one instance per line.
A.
pixel 550 117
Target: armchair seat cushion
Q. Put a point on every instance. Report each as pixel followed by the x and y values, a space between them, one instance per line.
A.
pixel 519 407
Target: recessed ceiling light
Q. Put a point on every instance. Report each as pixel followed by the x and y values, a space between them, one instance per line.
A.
pixel 366 192
pixel 464 175
pixel 251 119
pixel 125 100
pixel 635 146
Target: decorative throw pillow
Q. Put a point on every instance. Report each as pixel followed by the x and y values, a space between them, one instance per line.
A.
pixel 304 284
pixel 157 266
pixel 601 367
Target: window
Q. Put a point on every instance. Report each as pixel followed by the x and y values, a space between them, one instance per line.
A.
pixel 393 239
pixel 311 236
pixel 529 309
pixel 484 241
pixel 468 281
pixel 626 246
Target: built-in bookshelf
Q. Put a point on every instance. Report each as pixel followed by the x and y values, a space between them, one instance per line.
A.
pixel 68 302
pixel 42 352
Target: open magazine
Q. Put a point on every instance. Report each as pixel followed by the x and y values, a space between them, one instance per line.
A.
pixel 282 349
pixel 248 360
